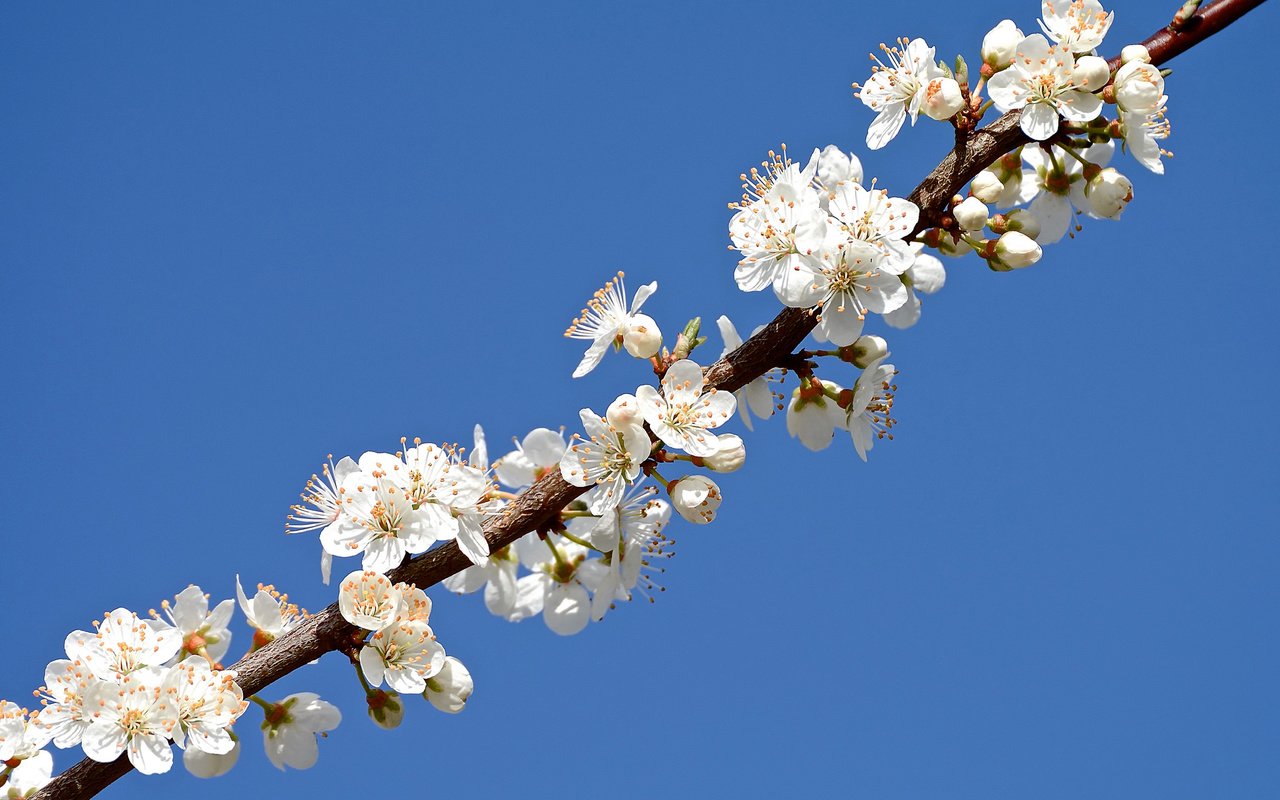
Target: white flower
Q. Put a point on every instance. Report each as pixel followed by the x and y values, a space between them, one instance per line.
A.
pixel 925 276
pixel 757 395
pixel 682 416
pixel 780 222
pixel 872 216
pixel 1108 193
pixel 606 321
pixel 124 643
pixel 289 732
pixel 1077 25
pixel 554 589
pixel 379 518
pixel 368 600
pixel 1054 184
pixel 1139 87
pixel 1000 43
pixel 540 451
pixel 203 632
pixel 1041 82
pixel 207 702
pixel 813 417
pixel 449 688
pixel 320 506
pixel 133 714
pixel 609 457
pixel 211 765
pixel 868 414
pixel 21 736
pixel 67 686
pixel 850 281
pixel 898 89
pixel 731 455
pixel 1143 134
pixel 696 498
pixel 29 777
pixel 270 613
pixel 1016 250
pixel 447 492
pixel 405 654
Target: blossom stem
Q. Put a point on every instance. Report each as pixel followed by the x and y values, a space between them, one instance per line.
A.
pixel 555 551
pixel 653 471
pixel 267 706
pixel 573 514
pixel 1071 151
pixel 578 541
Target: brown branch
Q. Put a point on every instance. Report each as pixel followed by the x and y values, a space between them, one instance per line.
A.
pixel 328 631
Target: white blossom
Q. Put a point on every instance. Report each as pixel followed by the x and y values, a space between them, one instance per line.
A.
pixel 696 498
pixel 449 688
pixel 867 417
pixel 404 654
pixel 321 506
pixel 211 765
pixel 1077 25
pixel 850 281
pixel 289 733
pixel 123 644
pixel 207 701
pixel 609 457
pixel 814 419
pixel 926 275
pixel 269 613
pixel 203 632
pixel 368 600
pixel 872 216
pixel 1000 43
pixel 897 90
pixel 1139 87
pixel 682 416
pixel 29 776
pixel 1143 134
pixel 780 222
pixel 132 715
pixel 607 321
pixel 539 452
pixel 1041 82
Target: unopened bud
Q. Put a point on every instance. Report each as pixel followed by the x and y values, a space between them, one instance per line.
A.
pixel 867 349
pixel 1091 73
pixel 449 688
pixel 1108 193
pixel 385 708
pixel 730 455
pixel 643 339
pixel 623 412
pixel 942 99
pixel 987 186
pixel 209 765
pixel 835 166
pixel 695 498
pixel 1135 52
pixel 1000 44
pixel 1016 250
pixel 971 214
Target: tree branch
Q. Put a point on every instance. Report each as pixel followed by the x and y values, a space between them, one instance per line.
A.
pixel 327 630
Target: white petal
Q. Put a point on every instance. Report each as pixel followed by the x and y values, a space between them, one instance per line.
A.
pixel 1039 121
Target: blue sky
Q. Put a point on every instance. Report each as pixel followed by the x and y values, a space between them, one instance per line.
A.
pixel 237 239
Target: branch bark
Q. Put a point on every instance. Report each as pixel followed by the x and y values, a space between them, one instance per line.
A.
pixel 327 631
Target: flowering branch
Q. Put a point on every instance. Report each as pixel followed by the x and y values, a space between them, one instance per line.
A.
pixel 538 507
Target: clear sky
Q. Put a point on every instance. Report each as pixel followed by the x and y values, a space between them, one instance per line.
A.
pixel 237 237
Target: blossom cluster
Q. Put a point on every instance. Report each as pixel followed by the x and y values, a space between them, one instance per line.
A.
pixel 138 686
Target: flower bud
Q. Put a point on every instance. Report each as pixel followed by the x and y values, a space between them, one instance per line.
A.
pixel 1016 250
pixel 953 249
pixel 942 99
pixel 623 412
pixel 449 688
pixel 867 349
pixel 1091 73
pixel 814 419
pixel 1108 193
pixel 730 456
pixel 971 214
pixel 643 339
pixel 695 498
pixel 1023 221
pixel 836 166
pixel 987 186
pixel 1000 44
pixel 385 708
pixel 1139 87
pixel 208 765
pixel 1134 52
